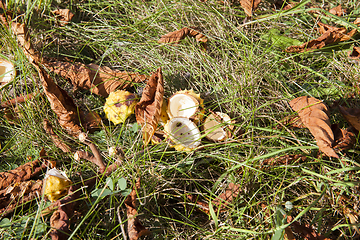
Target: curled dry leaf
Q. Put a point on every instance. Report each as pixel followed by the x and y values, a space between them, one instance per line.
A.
pixel 355 53
pixel 338 11
pixel 19 194
pixel 329 36
pixel 352 116
pixel 99 80
pixel 249 6
pixel 148 109
pixel 69 115
pixel 177 36
pixel 313 113
pixel 23 173
pixel 135 228
pixel 23 36
pixel 344 139
pixel 64 16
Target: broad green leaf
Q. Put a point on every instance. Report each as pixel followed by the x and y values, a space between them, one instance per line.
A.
pixel 99 193
pixel 110 183
pixel 122 183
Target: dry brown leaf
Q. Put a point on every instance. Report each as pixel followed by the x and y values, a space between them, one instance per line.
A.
pixel 355 53
pixel 23 36
pixel 135 228
pixel 338 11
pixel 69 115
pixel 19 194
pixel 329 36
pixel 148 109
pixel 305 231
pixel 63 15
pixel 352 116
pixel 284 160
pixel 92 121
pixel 99 80
pixel 249 6
pixel 313 113
pixel 177 36
pixel 23 173
pixel 343 139
pixel 357 21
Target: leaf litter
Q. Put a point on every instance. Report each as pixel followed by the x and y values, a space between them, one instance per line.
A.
pixel 341 140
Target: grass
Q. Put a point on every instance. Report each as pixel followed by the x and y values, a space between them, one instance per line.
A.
pixel 243 74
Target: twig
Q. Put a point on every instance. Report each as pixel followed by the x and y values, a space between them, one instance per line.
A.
pixel 55 138
pixel 97 159
pixel 17 100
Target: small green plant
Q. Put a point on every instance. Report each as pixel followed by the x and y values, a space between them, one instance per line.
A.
pixel 111 188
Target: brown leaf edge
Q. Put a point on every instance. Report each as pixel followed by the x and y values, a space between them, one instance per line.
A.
pixel 250 6
pixel 135 228
pixel 18 176
pixel 148 109
pixel 313 113
pixel 177 36
pixel 98 80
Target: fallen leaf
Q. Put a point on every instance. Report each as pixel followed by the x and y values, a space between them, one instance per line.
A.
pixel 305 231
pixel 23 36
pixel 352 116
pixel 355 53
pixel 148 109
pixel 92 121
pixel 135 228
pixel 338 11
pixel 19 194
pixel 69 115
pixel 249 6
pixel 177 36
pixel 23 173
pixel 357 21
pixel 313 113
pixel 329 36
pixel 63 15
pixel 99 80
pixel 284 160
pixel 343 139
